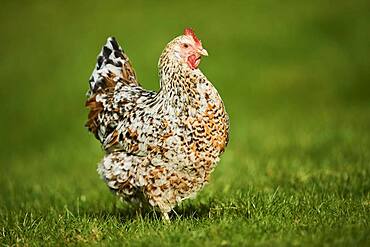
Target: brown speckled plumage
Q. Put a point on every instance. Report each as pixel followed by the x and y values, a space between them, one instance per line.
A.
pixel 160 146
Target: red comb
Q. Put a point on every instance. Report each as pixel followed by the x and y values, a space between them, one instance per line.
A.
pixel 189 32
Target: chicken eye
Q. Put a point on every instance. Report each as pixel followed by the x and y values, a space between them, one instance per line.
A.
pixel 186 45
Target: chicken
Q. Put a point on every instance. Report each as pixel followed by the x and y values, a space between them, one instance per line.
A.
pixel 160 147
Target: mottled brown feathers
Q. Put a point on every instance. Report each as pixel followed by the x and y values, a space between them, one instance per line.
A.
pixel 95 109
pixel 113 66
pixel 128 73
pixel 160 147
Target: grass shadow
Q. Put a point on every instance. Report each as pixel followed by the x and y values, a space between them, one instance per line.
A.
pixel 127 212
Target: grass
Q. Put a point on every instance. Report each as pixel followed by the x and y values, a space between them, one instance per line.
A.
pixel 295 80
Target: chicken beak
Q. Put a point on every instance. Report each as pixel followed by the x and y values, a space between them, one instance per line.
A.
pixel 203 52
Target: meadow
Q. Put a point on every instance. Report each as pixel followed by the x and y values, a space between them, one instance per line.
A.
pixel 294 77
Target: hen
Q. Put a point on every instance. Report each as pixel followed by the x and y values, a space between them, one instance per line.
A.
pixel 160 146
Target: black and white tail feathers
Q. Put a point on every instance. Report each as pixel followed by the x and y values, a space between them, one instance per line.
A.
pixel 112 66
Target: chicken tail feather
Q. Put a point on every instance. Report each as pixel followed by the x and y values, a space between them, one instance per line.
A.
pixel 112 66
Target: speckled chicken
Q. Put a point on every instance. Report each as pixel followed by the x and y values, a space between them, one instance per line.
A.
pixel 161 147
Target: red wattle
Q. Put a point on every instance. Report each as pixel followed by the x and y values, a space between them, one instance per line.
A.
pixel 193 61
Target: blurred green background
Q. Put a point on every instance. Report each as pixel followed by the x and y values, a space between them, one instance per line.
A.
pixel 294 76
